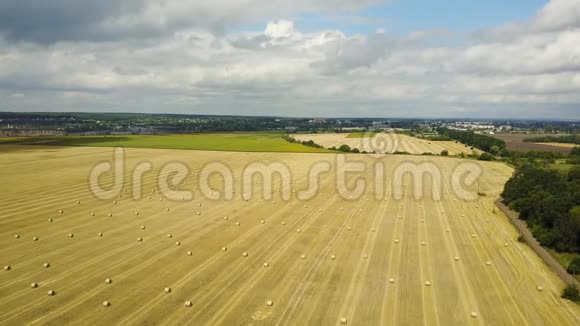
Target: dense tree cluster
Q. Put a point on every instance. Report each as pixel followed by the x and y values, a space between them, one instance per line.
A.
pixel 483 142
pixel 549 201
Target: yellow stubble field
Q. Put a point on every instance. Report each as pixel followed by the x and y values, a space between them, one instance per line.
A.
pixel 393 143
pixel 328 260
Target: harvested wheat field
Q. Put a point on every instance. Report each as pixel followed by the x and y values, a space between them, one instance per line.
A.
pixel 392 143
pixel 327 260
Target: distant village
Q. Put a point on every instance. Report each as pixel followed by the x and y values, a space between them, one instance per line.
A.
pixel 95 124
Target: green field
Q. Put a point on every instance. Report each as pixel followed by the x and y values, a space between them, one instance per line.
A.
pixel 361 134
pixel 242 142
pixel 563 258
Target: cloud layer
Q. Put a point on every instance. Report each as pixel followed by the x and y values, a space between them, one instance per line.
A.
pixel 195 57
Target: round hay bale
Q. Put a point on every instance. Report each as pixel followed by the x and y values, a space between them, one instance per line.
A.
pixel 50 220
pixel 349 228
pixel 422 221
pixel 266 265
pixel 51 293
pixel 34 238
pixel 189 253
pixel 188 304
pixel 274 202
pixel 16 236
pixel 343 321
pixel 110 215
pixel 7 268
pixel 427 283
pixel 396 240
pixel 373 230
pixel 456 258
pixel 443 211
pixel 283 223
pixel 473 314
pixel 320 209
pixel 78 201
pixel 71 235
pixel 262 222
pixel 108 281
pixel 61 211
pixel 305 206
pixel 167 290
pixel 540 288
pixel 148 197
pixel 198 213
pixel 170 236
pixel 46 265
pixel 92 214
pixel 142 227
pixel 224 249
pixel 139 239
pixel 333 257
pixel 423 243
pixel 488 263
pixel 447 230
pixel 34 285
pixel 391 280
pixel 299 231
pixel 342 208
pixel 167 209
pixel 360 210
pixel 225 218
pixel 245 254
pixel 365 257
pixel 303 256
pixel 238 223
pixel 100 234
pixel 199 205
pixel 136 213
pixel 177 243
pixel 269 303
pixel 114 201
pixel 106 304
pixel 473 235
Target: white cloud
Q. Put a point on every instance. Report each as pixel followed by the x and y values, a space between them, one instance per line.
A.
pixel 284 70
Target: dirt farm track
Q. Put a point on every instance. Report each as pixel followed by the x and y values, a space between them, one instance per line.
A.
pixel 323 261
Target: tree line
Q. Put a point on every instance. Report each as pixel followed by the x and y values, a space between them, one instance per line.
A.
pixel 568 139
pixel 549 201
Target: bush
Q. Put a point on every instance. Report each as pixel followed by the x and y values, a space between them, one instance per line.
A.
pixel 571 292
pixel 444 152
pixel 574 266
pixel 344 148
pixel 486 157
pixel 521 238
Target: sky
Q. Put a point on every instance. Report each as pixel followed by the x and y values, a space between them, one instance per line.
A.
pixel 517 59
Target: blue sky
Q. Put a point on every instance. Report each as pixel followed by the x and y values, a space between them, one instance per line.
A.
pixel 402 17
